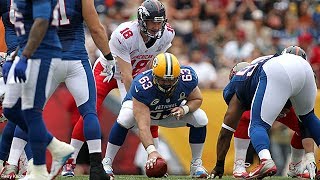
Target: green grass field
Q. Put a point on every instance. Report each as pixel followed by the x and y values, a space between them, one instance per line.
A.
pixel 136 177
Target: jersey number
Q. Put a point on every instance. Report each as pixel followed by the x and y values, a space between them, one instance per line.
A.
pixel 186 75
pixel 62 8
pixel 145 82
pixel 247 70
pixel 126 33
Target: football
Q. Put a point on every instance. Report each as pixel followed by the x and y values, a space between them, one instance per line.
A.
pixel 158 170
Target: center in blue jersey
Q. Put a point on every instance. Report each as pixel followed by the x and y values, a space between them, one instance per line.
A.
pixel 244 83
pixel 144 90
pixel 25 13
pixel 71 31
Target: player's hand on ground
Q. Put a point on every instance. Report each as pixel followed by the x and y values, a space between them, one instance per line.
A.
pixel 152 157
pixel 311 164
pixel 108 71
pixel 177 112
pixel 20 70
pixel 217 172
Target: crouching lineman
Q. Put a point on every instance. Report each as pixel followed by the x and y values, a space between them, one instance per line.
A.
pixel 168 96
pixel 300 143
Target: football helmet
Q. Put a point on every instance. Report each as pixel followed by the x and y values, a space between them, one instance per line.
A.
pixel 237 68
pixel 152 10
pixel 166 72
pixel 296 50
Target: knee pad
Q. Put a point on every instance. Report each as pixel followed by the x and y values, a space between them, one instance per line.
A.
pixel 200 118
pixel 126 117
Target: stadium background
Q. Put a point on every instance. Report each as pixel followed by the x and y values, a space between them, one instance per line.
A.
pixel 283 22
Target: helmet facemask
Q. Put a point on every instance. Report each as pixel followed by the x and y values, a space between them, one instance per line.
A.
pixel 166 84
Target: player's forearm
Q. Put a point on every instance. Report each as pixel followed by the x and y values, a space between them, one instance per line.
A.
pixel 223 144
pixel 194 104
pixel 127 80
pixel 37 33
pixel 100 39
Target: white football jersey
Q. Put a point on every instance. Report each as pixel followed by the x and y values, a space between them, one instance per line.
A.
pixel 126 43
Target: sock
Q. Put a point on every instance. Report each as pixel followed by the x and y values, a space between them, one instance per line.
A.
pixel 197 135
pixel 94 146
pixel 6 139
pixel 77 146
pixel 77 132
pixel 264 154
pixel 91 127
pixel 296 155
pixel 39 137
pixel 241 147
pixel 196 150
pixel 112 151
pixel 312 123
pixel 16 150
pixel 259 136
pixel 117 134
pixel 40 169
pixel 28 151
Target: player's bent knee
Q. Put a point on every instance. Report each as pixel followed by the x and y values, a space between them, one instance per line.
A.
pixel 200 117
pixel 126 117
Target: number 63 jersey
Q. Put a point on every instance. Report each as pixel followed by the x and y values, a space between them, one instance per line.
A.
pixel 160 104
pixel 126 43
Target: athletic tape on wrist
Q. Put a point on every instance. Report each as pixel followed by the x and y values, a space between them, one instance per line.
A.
pixel 228 127
pixel 185 108
pixel 151 148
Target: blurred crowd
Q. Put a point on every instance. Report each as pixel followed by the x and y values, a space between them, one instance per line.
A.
pixel 213 35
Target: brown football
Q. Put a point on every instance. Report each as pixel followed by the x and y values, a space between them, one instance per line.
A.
pixel 158 170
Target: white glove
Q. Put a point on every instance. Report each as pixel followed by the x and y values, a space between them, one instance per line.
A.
pixel 3 118
pixel 108 68
pixel 311 164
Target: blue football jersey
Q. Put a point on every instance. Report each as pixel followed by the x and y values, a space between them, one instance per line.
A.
pixel 7 14
pixel 25 13
pixel 244 83
pixel 71 30
pixel 160 105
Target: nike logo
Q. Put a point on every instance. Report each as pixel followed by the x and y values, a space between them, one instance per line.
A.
pixel 135 87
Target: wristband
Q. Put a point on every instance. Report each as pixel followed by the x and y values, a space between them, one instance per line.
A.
pixel 108 57
pixel 185 108
pixel 151 148
pixel 228 127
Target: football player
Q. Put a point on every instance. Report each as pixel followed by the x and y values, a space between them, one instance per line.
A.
pixel 11 166
pixel 134 44
pixel 39 53
pixel 286 117
pixel 167 95
pixel 265 87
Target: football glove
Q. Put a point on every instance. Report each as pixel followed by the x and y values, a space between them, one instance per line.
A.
pixel 310 164
pixel 5 70
pixel 108 63
pixel 20 69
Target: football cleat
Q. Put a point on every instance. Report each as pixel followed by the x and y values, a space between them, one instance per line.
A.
pixel 239 169
pixel 9 172
pixel 68 169
pixel 266 168
pixel 197 170
pixel 107 166
pixel 296 171
pixel 23 164
pixel 59 157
